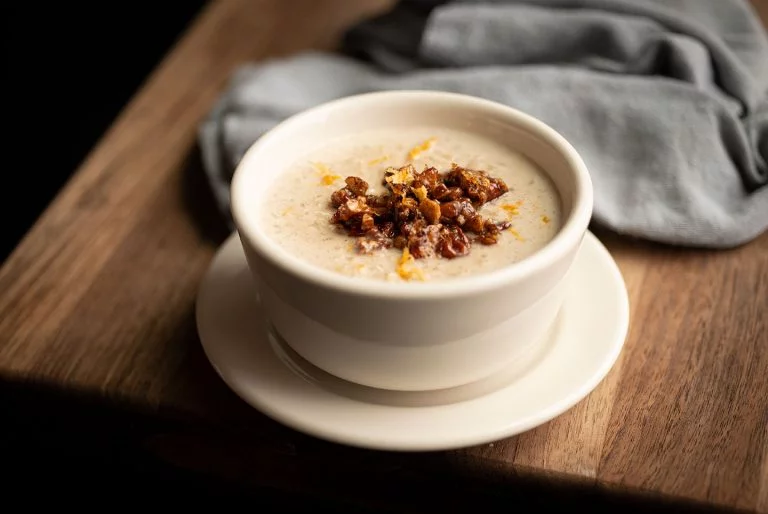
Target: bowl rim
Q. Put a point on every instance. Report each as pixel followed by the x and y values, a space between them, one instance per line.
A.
pixel 568 237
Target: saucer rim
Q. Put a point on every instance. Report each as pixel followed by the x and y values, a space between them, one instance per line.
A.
pixel 416 444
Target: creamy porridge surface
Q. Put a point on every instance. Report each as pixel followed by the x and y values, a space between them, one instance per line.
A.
pixel 297 211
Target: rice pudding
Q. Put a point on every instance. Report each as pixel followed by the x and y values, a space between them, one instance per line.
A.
pixel 298 211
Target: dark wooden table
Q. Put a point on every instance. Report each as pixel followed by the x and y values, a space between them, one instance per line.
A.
pixel 96 304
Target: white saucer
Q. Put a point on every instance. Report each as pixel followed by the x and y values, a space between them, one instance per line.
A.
pixel 250 358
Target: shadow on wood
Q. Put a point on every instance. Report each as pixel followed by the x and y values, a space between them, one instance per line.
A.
pixel 200 203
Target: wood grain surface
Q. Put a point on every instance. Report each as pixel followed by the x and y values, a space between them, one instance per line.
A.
pixel 98 300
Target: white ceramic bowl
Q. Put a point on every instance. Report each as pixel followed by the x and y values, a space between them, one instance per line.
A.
pixel 410 336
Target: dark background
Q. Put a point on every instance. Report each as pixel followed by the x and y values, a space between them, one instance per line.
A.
pixel 68 70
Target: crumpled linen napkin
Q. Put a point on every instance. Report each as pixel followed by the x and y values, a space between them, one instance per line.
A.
pixel 666 100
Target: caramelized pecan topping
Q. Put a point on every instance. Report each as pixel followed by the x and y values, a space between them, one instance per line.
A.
pixel 426 214
pixel 478 186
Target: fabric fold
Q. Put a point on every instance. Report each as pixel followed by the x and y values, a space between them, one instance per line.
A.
pixel 667 102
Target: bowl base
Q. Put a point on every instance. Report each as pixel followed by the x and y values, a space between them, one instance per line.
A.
pixel 525 360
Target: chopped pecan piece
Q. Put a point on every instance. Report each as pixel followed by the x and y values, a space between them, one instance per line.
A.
pixel 428 177
pixel 454 193
pixel 453 243
pixel 492 231
pixel 430 209
pixel 420 192
pixel 404 175
pixel 371 241
pixel 341 196
pixel 477 185
pixel 490 227
pixel 474 223
pixel 350 209
pixel 377 200
pixel 407 228
pixel 354 226
pixel 399 191
pixel 380 205
pixel 388 229
pixel 440 192
pixel 357 185
pixel 366 222
pixel 422 243
pixel 446 194
pixel 457 208
pixel 406 209
pixel 488 239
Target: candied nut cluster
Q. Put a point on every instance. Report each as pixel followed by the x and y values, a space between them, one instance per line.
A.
pixel 428 213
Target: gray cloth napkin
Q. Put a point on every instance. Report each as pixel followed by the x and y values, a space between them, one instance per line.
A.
pixel 666 100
